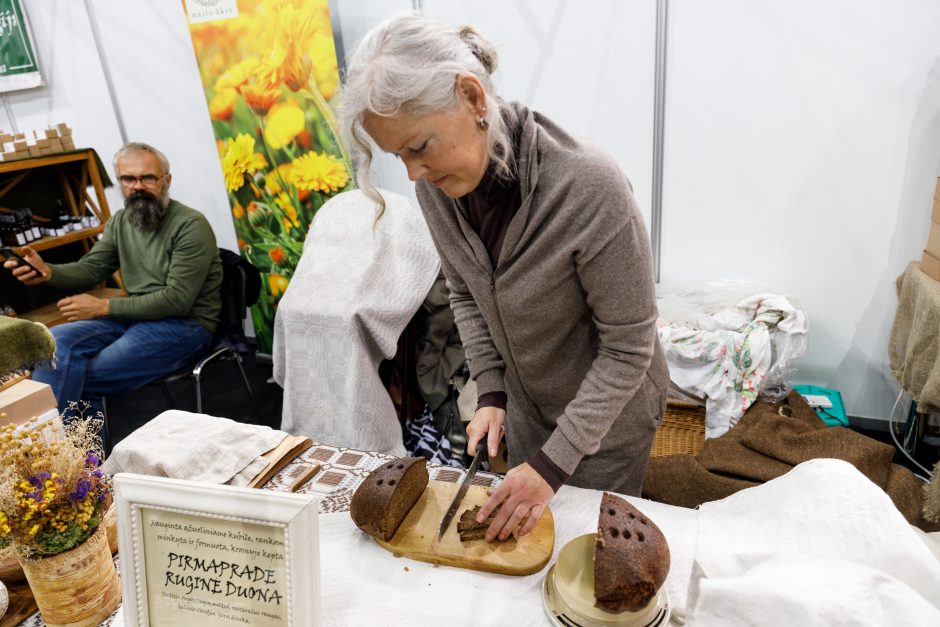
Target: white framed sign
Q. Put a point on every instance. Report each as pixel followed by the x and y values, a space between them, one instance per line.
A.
pixel 216 555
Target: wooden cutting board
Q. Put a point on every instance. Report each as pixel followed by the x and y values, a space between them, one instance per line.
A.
pixel 417 536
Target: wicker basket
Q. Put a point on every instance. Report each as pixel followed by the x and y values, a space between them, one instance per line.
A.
pixel 682 431
pixel 78 588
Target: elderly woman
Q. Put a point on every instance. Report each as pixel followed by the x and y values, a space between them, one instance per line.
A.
pixel 546 257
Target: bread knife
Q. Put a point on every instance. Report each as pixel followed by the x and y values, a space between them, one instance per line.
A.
pixel 464 486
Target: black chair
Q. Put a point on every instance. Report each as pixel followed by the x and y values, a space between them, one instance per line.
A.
pixel 241 286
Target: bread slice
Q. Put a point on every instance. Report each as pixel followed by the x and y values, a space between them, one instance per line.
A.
pixel 631 557
pixel 385 497
pixel 469 529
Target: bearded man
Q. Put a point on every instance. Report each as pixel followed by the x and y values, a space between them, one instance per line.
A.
pixel 170 264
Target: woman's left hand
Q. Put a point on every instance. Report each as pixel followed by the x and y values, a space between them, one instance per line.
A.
pixel 524 496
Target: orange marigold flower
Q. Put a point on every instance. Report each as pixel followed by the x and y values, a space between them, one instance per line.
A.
pixel 238 74
pixel 238 212
pixel 259 97
pixel 277 255
pixel 319 172
pixel 288 38
pixel 222 103
pixel 242 244
pixel 277 284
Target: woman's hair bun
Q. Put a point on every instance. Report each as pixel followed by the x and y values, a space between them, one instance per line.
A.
pixel 481 48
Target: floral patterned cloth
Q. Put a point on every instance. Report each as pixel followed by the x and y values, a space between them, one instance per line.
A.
pixel 727 360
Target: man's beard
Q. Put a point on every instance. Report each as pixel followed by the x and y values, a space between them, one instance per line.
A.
pixel 146 210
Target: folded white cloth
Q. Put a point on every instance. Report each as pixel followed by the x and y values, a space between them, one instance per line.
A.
pixel 762 551
pixel 794 589
pixel 199 447
pixel 357 285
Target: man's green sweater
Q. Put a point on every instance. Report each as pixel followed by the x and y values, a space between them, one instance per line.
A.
pixel 174 271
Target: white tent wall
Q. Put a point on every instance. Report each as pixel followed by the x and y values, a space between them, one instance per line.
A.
pixel 802 149
pixel 802 138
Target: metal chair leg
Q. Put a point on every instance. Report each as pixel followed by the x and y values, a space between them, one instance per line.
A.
pixel 197 387
pixel 251 394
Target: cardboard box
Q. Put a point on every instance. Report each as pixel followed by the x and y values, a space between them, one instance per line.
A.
pixel 56 145
pixel 25 399
pixel 933 239
pixel 930 266
pixel 934 215
pixel 51 133
pixel 65 131
pixel 67 143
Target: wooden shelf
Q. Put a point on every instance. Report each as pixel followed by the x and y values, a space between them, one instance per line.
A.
pixel 36 162
pixel 45 243
pixel 70 181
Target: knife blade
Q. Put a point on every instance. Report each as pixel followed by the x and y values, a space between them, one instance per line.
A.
pixel 464 486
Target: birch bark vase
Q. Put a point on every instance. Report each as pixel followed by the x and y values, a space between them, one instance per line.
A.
pixel 77 588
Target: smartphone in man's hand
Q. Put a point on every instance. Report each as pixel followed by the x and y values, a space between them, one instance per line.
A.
pixel 8 253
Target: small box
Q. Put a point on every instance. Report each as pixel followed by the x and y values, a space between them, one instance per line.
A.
pixel 6 138
pixel 67 143
pixel 65 131
pixel 56 144
pixel 933 239
pixel 930 266
pixel 19 137
pixel 20 144
pixel 51 133
pixel 25 399
pixel 43 143
pixel 35 151
pixel 827 403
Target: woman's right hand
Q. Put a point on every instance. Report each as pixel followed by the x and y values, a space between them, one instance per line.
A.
pixel 26 274
pixel 486 422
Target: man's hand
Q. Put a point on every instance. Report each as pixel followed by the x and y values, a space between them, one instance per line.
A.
pixel 83 307
pixel 24 273
pixel 524 496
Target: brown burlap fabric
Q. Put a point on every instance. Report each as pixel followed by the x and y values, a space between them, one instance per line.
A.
pixel 768 441
pixel 915 338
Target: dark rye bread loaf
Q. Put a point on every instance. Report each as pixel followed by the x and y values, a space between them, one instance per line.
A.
pixel 385 497
pixel 631 557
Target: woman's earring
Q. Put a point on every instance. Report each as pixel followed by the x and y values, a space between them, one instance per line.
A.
pixel 483 124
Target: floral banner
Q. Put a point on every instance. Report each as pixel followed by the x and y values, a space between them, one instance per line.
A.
pixel 270 76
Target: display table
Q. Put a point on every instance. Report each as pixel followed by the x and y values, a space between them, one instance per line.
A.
pixel 822 514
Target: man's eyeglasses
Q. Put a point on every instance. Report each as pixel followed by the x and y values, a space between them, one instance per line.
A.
pixel 147 180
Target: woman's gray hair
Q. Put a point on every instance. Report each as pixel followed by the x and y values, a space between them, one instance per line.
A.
pixel 132 147
pixel 408 65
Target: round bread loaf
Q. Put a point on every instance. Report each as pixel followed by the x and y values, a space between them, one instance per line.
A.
pixel 631 557
pixel 385 497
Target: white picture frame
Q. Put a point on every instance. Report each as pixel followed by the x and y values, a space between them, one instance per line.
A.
pixel 215 554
